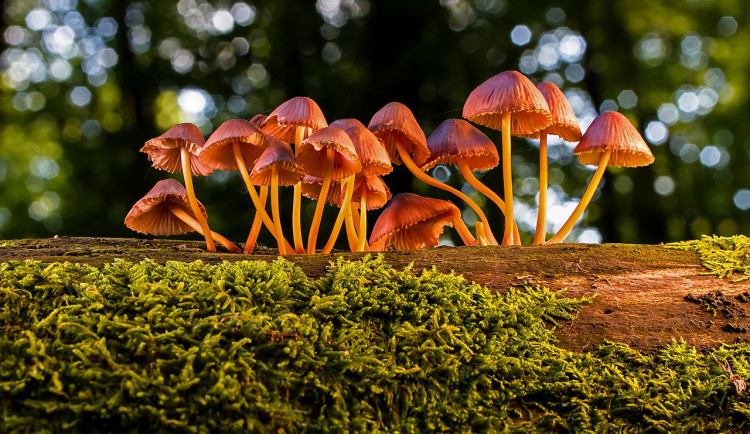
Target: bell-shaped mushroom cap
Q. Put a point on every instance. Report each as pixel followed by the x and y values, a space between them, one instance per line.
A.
pixel 396 123
pixel 165 151
pixel 299 111
pixel 371 152
pixel 218 151
pixel 258 120
pixel 564 123
pixel 378 193
pixel 312 154
pixel 509 91
pixel 311 186
pixel 412 222
pixel 279 156
pixel 344 124
pixel 151 214
pixel 455 140
pixel 612 130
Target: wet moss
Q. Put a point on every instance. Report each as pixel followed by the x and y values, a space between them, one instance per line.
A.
pixel 724 257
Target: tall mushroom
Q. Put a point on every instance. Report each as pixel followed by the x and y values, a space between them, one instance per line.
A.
pixel 395 126
pixel 564 125
pixel 611 140
pixel 411 222
pixel 292 122
pixel 176 150
pixel 511 103
pixel 166 210
pixel 328 154
pixel 276 166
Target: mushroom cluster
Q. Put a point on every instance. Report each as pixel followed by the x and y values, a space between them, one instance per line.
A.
pixel 343 164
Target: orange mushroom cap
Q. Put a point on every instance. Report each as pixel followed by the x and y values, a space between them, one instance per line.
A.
pixel 258 120
pixel 395 122
pixel 509 91
pixel 151 215
pixel 312 156
pixel 218 152
pixel 564 123
pixel 346 123
pixel 378 193
pixel 454 140
pixel 165 151
pixel 612 130
pixel 311 186
pixel 371 152
pixel 279 156
pixel 299 111
pixel 412 222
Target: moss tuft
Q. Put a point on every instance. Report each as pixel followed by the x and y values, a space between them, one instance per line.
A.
pixel 722 256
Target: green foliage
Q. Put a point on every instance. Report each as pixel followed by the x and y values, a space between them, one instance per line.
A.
pixel 723 256
pixel 259 346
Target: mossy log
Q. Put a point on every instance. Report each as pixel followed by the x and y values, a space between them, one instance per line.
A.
pixel 647 295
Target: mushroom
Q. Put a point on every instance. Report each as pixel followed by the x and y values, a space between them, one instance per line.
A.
pixel 564 125
pixel 275 167
pixel 370 192
pixel 328 154
pixel 610 140
pixel 166 210
pixel 172 152
pixel 292 122
pixel 236 145
pixel 395 126
pixel 412 222
pixel 508 102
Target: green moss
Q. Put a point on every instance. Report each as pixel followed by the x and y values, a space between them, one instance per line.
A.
pixel 259 346
pixel 722 256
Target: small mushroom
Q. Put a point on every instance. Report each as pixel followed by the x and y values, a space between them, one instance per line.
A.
pixel 166 210
pixel 610 140
pixel 177 150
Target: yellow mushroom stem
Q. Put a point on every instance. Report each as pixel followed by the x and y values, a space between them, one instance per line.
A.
pixel 435 183
pixel 507 179
pixel 463 231
pixel 193 223
pixel 362 220
pixel 351 231
pixel 482 188
pixel 260 208
pixel 541 217
pixel 187 174
pixel 312 237
pixel 356 217
pixel 252 237
pixel 345 207
pixel 299 246
pixel 275 210
pixel 587 195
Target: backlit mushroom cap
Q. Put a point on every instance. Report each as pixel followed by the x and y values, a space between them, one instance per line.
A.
pixel 412 222
pixel 344 124
pixel 279 156
pixel 612 130
pixel 218 151
pixel 564 123
pixel 455 140
pixel 151 214
pixel 258 120
pixel 299 111
pixel 378 193
pixel 396 123
pixel 165 151
pixel 311 186
pixel 371 152
pixel 312 154
pixel 509 91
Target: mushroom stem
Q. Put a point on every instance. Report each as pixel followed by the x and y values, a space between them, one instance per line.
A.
pixel 507 179
pixel 345 207
pixel 463 231
pixel 193 223
pixel 351 231
pixel 362 221
pixel 260 208
pixel 312 237
pixel 187 174
pixel 356 217
pixel 541 218
pixel 275 210
pixel 587 195
pixel 252 237
pixel 299 246
pixel 435 183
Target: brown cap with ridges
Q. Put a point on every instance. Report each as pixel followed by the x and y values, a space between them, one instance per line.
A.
pixel 299 111
pixel 454 140
pixel 151 215
pixel 612 130
pixel 564 123
pixel 312 156
pixel 396 123
pixel 371 152
pixel 279 156
pixel 218 151
pixel 165 151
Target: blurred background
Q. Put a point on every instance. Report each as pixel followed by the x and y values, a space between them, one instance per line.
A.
pixel 86 82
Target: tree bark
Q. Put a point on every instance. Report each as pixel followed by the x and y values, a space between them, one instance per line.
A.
pixel 646 295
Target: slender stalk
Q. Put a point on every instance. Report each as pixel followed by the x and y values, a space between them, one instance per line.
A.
pixel 351 231
pixel 463 231
pixel 252 237
pixel 357 217
pixel 312 237
pixel 435 183
pixel 541 217
pixel 275 210
pixel 299 246
pixel 587 195
pixel 507 179
pixel 343 212
pixel 188 176
pixel 362 220
pixel 187 218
